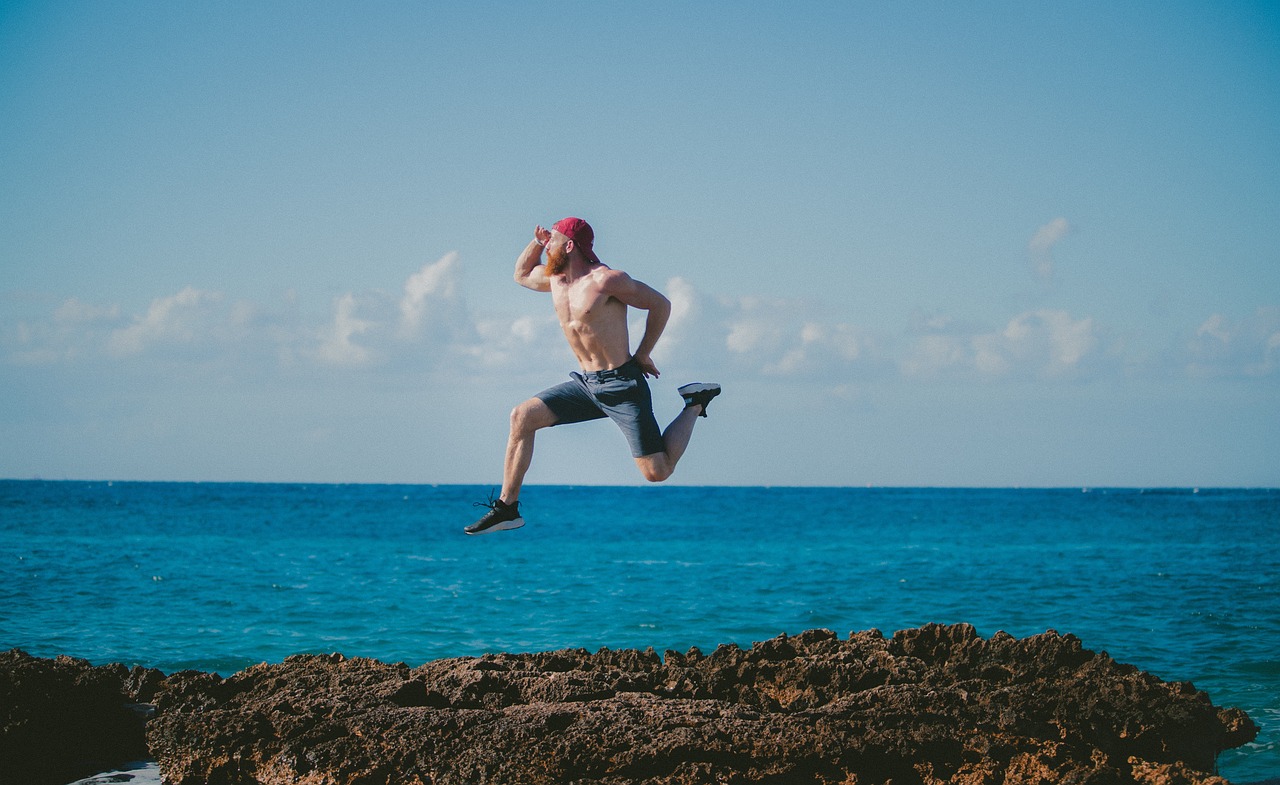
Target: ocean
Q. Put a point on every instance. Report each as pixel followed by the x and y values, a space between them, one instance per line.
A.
pixel 1184 583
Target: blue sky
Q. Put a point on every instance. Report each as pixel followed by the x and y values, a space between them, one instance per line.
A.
pixel 920 244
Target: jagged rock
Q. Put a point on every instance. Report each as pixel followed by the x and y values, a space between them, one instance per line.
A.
pixel 63 719
pixel 932 705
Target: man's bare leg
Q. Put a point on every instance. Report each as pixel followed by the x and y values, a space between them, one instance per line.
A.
pixel 526 420
pixel 659 466
pixel 504 513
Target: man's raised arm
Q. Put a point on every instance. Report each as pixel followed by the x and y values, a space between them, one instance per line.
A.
pixel 530 273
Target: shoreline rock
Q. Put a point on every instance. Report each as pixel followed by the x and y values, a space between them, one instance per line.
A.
pixel 931 705
pixel 63 719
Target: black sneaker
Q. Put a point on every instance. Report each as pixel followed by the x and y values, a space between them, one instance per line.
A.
pixel 500 517
pixel 699 394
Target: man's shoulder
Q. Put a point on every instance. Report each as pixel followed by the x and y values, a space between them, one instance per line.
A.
pixel 599 278
pixel 622 287
pixel 609 277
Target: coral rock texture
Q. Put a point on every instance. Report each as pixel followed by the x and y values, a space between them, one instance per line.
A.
pixel 63 719
pixel 933 705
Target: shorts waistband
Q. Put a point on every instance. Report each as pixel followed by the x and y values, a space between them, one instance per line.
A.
pixel 612 373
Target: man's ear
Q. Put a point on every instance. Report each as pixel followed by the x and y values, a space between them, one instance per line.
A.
pixel 568 246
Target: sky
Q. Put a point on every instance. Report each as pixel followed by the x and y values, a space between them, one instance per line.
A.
pixel 919 244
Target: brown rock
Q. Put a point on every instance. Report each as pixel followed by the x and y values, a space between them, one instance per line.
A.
pixel 932 705
pixel 63 719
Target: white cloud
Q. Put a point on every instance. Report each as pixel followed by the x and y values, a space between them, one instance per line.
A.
pixel 337 344
pixel 435 282
pixel 178 319
pixel 820 348
pixel 842 339
pixel 428 320
pixel 1044 343
pixel 686 311
pixel 74 327
pixel 1249 347
pixel 684 302
pixel 766 335
pixel 428 326
pixel 750 335
pixel 514 344
pixel 1066 341
pixel 1042 243
pixel 1215 328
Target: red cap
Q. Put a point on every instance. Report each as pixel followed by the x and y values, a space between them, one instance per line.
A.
pixel 580 232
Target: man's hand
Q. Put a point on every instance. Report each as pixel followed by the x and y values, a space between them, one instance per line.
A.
pixel 647 366
pixel 530 273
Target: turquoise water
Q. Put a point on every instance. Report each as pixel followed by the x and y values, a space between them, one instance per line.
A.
pixel 1182 583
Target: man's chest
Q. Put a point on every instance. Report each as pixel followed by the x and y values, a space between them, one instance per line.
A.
pixel 583 302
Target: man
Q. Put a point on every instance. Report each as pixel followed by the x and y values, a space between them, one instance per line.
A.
pixel 591 301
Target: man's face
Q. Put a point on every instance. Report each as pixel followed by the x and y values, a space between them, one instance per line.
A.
pixel 557 254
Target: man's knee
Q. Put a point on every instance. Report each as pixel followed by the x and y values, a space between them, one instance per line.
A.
pixel 531 415
pixel 655 468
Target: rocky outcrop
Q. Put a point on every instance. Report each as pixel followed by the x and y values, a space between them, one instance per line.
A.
pixel 63 719
pixel 932 705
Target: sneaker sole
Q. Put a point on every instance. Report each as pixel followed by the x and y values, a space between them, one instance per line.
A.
pixel 515 523
pixel 697 387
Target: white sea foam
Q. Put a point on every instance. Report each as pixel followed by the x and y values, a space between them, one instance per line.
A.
pixel 136 773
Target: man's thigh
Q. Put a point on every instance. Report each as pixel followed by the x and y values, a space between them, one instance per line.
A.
pixel 567 403
pixel 629 404
pixel 536 414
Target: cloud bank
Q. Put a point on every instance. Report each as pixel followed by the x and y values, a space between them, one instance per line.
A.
pixel 1046 344
pixel 429 325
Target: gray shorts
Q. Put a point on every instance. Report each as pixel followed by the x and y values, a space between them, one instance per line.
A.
pixel 621 394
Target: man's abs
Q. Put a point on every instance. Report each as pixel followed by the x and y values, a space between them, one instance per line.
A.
pixel 599 337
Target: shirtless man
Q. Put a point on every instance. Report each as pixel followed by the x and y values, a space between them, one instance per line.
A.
pixel 591 301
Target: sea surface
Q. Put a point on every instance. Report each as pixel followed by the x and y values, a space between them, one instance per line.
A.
pixel 1184 583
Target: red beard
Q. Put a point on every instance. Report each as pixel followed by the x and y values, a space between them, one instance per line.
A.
pixel 557 260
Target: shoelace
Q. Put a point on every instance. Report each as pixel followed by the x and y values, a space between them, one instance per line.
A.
pixel 493 503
